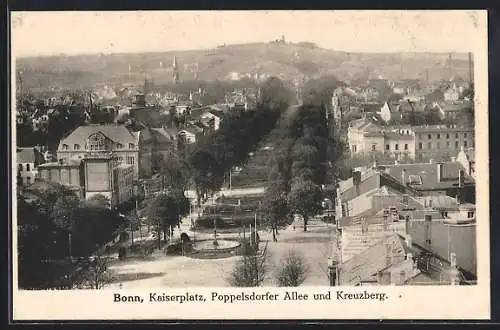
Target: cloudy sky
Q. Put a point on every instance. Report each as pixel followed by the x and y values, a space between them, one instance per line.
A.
pixel 47 33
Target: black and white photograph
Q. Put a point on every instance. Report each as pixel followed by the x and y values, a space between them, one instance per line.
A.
pixel 322 157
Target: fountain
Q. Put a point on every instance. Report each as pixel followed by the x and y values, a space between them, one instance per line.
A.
pixel 216 248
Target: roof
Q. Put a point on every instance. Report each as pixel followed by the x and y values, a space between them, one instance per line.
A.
pixel 365 125
pixel 26 155
pixel 67 163
pixel 441 202
pixel 394 135
pixel 116 133
pixel 470 153
pixel 442 128
pixel 164 135
pixel 367 264
pixel 428 174
pixel 372 107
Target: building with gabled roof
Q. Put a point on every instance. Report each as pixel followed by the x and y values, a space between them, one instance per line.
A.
pixel 132 148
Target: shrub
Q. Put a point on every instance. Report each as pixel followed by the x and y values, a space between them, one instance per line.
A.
pixel 293 270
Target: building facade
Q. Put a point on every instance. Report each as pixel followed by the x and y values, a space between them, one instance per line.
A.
pixel 27 159
pixel 130 148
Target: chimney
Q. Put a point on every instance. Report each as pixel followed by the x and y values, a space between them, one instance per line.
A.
pixel 439 172
pixel 453 259
pixel 407 224
pixel 461 177
pixel 403 176
pixel 453 159
pixel 356 179
pixel 409 241
pixel 462 148
pixel 431 161
pixel 428 220
pixel 388 254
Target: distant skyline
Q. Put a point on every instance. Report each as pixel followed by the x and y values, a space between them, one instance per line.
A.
pixel 75 33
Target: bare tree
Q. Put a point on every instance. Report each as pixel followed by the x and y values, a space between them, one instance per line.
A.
pixel 93 274
pixel 251 270
pixel 293 270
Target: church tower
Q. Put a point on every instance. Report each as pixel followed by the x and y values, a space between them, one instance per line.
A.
pixel 175 71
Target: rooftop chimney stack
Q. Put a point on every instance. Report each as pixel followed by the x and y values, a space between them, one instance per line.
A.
pixel 439 172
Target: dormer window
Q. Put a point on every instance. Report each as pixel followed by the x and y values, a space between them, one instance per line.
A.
pixel 470 214
pixel 119 146
pixel 65 147
pixel 76 147
pixel 131 146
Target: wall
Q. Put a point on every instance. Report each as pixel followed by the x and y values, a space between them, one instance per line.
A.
pixel 445 143
pixel 445 239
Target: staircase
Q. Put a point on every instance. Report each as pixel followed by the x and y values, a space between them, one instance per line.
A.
pixel 355 242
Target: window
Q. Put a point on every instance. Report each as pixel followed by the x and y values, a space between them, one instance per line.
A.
pixel 456 135
pixel 28 180
pixel 65 147
pixel 447 136
pixel 444 214
pixel 396 147
pixel 429 136
pixel 406 146
pixel 465 135
pixel 20 167
pixel 131 146
pixel 429 145
pixel 456 144
pixel 130 160
pixel 447 144
pixel 96 142
pixel 76 147
pixel 374 147
pixel 387 147
pixel 438 136
pixel 465 144
pixel 119 146
pixel 470 214
pixel 354 148
pixel 420 145
pixel 28 168
pixel 438 145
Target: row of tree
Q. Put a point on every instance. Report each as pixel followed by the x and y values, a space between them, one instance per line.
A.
pixel 297 169
pixel 238 136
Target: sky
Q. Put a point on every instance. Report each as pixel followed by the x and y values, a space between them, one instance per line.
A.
pixel 71 33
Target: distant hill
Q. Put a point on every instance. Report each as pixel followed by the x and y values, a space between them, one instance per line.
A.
pixel 288 60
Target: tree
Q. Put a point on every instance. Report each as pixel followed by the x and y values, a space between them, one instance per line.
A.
pixel 99 201
pixel 293 270
pixel 251 269
pixel 61 204
pixel 93 273
pixel 305 199
pixel 275 208
pixel 164 212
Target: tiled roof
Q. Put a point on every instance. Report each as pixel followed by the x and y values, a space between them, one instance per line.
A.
pixel 372 107
pixel 365 125
pixel 428 174
pixel 368 263
pixel 394 135
pixel 440 202
pixel 116 133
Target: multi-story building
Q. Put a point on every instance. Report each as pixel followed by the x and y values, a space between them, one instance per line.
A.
pixel 130 148
pixel 97 173
pixel 417 142
pixel 28 159
pixel 365 137
pixel 442 141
